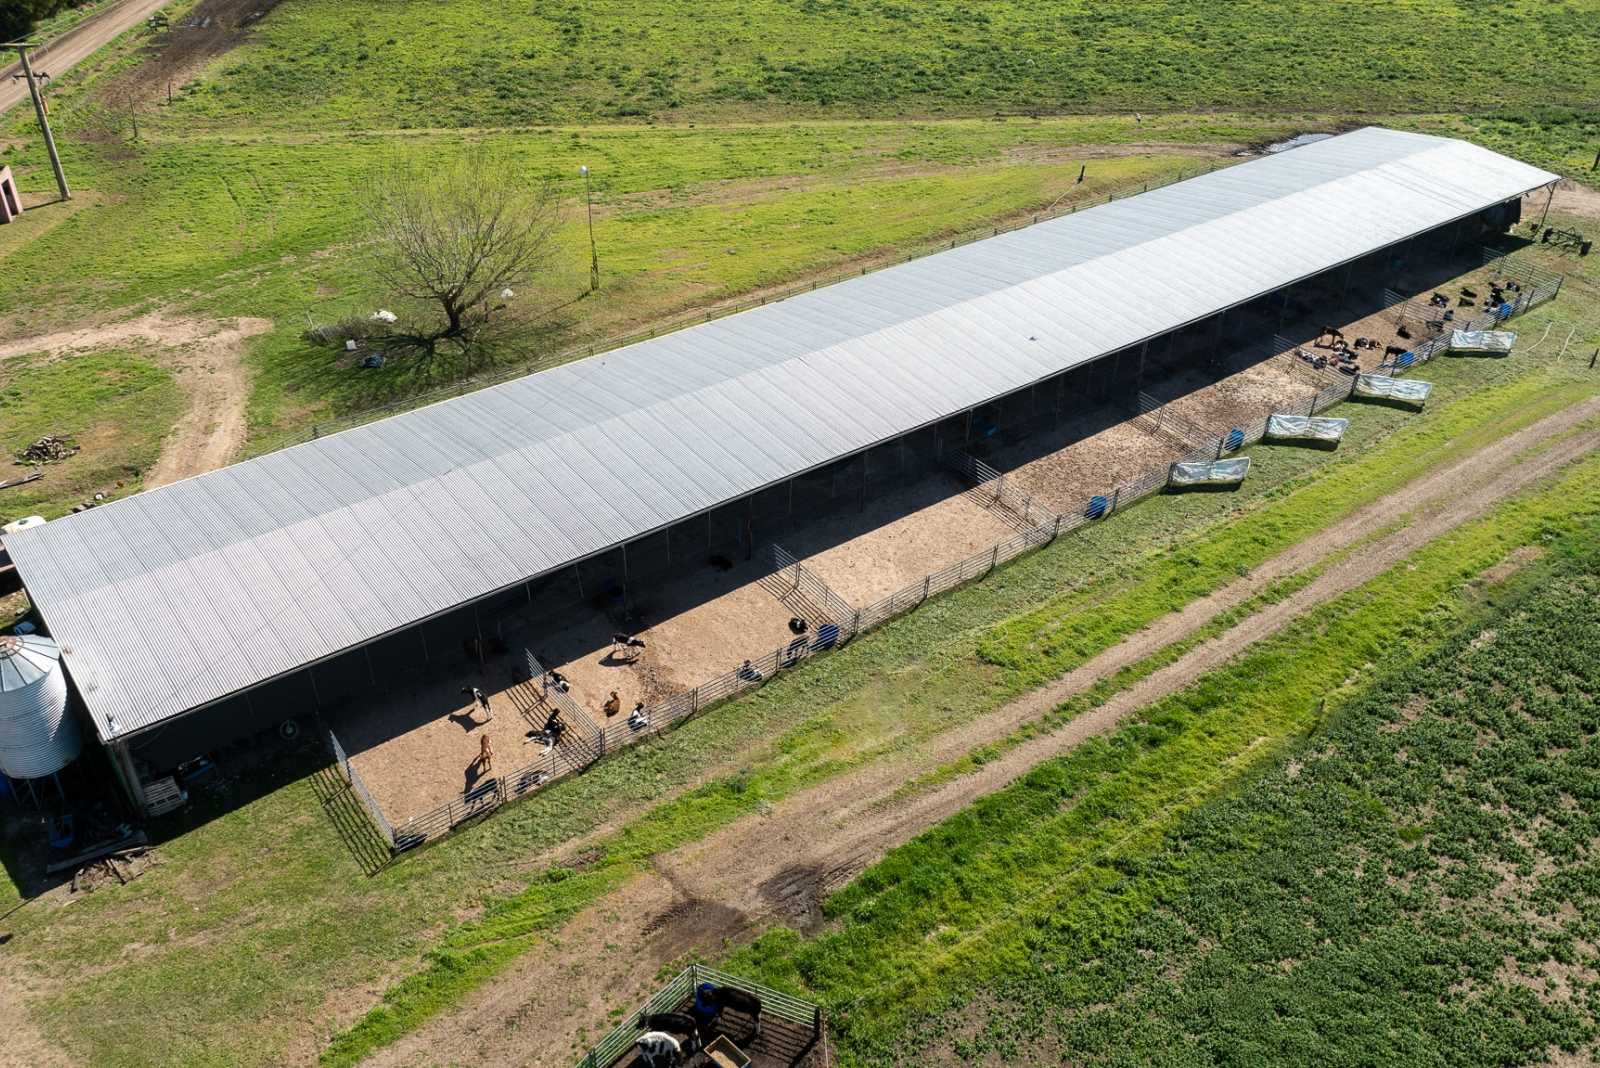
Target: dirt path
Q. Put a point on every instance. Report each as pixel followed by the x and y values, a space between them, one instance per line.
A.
pixel 77 44
pixel 205 356
pixel 779 866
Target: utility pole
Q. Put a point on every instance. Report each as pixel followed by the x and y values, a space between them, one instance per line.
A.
pixel 44 119
pixel 594 250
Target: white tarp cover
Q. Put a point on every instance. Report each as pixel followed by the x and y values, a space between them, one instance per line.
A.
pixel 1482 340
pixel 1210 473
pixel 1305 427
pixel 1382 387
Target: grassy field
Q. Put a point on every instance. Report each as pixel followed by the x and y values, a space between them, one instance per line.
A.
pixel 1305 857
pixel 116 405
pixel 315 925
pixel 320 63
pixel 735 152
pixel 240 196
pixel 260 227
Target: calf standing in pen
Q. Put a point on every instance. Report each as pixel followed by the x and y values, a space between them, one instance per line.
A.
pixel 626 646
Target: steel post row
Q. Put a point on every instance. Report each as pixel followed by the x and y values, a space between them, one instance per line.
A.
pixel 1039 526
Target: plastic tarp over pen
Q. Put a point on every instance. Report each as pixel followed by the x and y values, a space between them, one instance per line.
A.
pixel 1212 473
pixel 1495 342
pixel 1285 427
pixel 1382 387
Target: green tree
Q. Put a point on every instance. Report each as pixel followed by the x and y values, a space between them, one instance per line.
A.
pixel 18 17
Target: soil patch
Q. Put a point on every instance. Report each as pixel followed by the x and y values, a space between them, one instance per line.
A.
pixel 206 356
pixel 910 533
pixel 780 865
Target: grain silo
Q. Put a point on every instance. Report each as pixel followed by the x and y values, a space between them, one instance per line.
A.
pixel 37 735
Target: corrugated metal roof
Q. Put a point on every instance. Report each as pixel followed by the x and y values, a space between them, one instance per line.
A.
pixel 242 574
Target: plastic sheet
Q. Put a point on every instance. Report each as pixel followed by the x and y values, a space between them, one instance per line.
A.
pixel 1209 473
pixel 1382 387
pixel 1286 427
pixel 1495 341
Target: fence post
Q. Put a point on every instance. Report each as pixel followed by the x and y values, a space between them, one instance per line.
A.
pixel 855 627
pixel 1219 448
pixel 994 558
pixel 1057 532
pixel 1116 495
pixel 926 579
pixel 1311 409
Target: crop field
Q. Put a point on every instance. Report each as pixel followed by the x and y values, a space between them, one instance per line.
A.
pixel 1361 837
pixel 1365 840
pixel 901 687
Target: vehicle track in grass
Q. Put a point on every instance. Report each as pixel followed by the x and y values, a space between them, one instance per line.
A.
pixel 778 867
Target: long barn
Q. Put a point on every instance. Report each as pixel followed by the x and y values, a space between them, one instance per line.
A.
pixel 215 607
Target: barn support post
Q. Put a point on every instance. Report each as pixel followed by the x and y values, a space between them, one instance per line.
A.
pixel 967 443
pixel 624 580
pixel 1139 383
pixel 1283 310
pixel 477 627
pixel 863 505
pixel 366 650
pixel 1552 195
pixel 127 776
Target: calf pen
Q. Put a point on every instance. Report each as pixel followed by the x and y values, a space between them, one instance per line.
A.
pixel 839 621
pixel 784 1034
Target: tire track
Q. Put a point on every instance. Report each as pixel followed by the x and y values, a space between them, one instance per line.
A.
pixel 778 867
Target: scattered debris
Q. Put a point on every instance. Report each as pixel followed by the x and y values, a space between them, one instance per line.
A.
pixel 47 450
pixel 8 483
pixel 125 866
pixel 134 842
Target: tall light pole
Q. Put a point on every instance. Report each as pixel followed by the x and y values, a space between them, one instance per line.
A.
pixel 594 250
pixel 44 118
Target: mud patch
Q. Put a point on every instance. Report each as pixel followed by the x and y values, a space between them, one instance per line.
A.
pixel 175 55
pixel 693 923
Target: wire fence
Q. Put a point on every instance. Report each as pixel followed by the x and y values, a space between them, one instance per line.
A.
pixel 566 355
pixel 839 622
pixel 805 1016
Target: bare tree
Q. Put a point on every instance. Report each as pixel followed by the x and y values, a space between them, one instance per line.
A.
pixel 446 241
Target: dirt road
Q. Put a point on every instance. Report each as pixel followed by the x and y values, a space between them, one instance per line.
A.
pixel 206 358
pixel 778 867
pixel 77 44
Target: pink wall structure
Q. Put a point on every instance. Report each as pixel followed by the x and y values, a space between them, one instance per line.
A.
pixel 10 199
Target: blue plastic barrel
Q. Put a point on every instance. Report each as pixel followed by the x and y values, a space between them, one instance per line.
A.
pixel 1235 440
pixel 1097 507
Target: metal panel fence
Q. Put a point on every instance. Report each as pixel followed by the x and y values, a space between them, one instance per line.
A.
pixel 679 989
pixel 993 484
pixel 589 742
pixel 347 770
